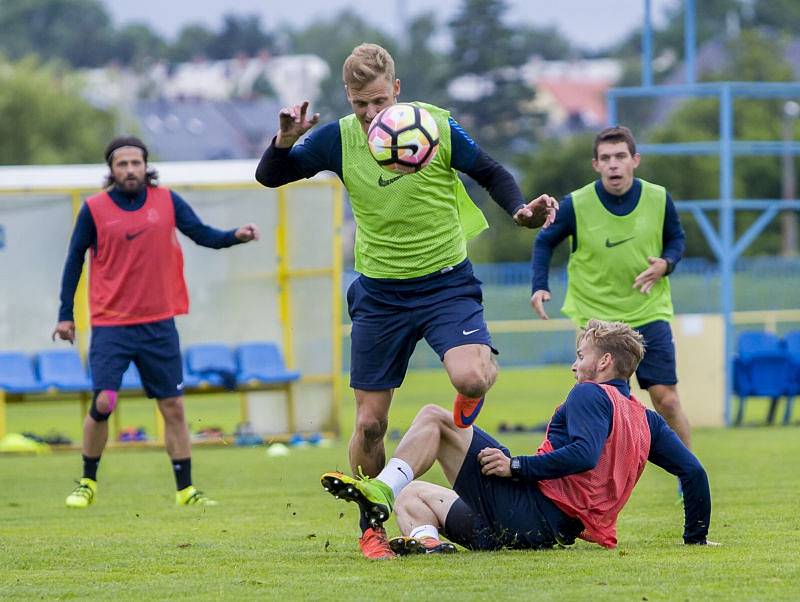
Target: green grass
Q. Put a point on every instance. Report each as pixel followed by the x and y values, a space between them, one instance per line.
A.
pixel 277 535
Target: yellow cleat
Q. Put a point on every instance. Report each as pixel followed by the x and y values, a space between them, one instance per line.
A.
pixel 374 497
pixel 83 495
pixel 191 497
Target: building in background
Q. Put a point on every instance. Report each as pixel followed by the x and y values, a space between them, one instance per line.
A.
pixel 205 110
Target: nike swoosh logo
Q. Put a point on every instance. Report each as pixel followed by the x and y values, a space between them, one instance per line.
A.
pixel 468 420
pixel 131 236
pixel 382 183
pixel 469 332
pixel 610 244
pixel 403 472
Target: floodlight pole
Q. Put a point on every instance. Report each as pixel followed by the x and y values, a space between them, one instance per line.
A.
pixel 689 41
pixel 647 46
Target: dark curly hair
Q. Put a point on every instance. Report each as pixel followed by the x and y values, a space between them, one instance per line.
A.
pixel 151 175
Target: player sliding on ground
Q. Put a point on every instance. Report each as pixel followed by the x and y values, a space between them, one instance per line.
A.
pixel 596 447
pixel 415 279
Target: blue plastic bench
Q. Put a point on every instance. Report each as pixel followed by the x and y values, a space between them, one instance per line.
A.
pixel 211 365
pixel 63 370
pixel 762 369
pixel 17 375
pixel 262 363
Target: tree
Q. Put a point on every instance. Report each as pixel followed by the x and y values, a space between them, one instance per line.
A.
pixel 781 15
pixel 136 44
pixel 426 83
pixel 194 40
pixel 45 120
pixel 556 168
pixel 239 35
pixel 545 42
pixel 482 49
pixel 754 56
pixel 333 41
pixel 76 31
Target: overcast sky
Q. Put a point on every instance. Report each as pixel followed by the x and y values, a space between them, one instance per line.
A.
pixel 591 24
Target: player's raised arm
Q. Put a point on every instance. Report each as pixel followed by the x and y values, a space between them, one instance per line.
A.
pixel 293 123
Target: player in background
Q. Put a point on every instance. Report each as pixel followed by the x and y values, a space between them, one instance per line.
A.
pixel 415 279
pixel 595 449
pixel 136 287
pixel 626 238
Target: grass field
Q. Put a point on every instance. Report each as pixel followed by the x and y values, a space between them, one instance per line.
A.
pixel 277 535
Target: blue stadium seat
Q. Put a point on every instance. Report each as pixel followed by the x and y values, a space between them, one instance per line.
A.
pixel 792 342
pixel 762 369
pixel 262 362
pixel 62 369
pixel 213 364
pixel 190 381
pixel 131 379
pixel 17 375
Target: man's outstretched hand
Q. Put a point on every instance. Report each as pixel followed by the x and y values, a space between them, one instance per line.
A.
pixel 540 212
pixel 247 233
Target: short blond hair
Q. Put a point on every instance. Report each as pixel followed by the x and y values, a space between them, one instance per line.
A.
pixel 367 63
pixel 624 344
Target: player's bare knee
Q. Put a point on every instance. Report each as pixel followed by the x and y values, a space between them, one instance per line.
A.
pixel 172 409
pixel 103 404
pixel 372 429
pixel 473 384
pixel 410 494
pixel 431 413
pixel 668 405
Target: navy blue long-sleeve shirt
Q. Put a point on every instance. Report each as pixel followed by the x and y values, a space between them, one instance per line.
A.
pixel 673 237
pixel 578 431
pixel 84 237
pixel 322 151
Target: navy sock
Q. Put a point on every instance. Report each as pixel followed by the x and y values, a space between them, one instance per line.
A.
pixel 363 521
pixel 183 472
pixel 90 467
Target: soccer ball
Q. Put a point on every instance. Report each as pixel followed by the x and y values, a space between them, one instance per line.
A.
pixel 403 138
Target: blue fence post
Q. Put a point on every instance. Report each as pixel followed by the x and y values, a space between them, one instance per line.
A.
pixel 726 224
pixel 689 40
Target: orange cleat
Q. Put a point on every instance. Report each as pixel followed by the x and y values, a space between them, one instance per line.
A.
pixel 374 544
pixel 422 545
pixel 466 410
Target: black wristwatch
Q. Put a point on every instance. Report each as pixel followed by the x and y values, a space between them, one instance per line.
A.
pixel 516 467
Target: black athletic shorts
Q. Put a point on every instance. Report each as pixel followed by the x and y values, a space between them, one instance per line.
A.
pixel 154 348
pixel 498 512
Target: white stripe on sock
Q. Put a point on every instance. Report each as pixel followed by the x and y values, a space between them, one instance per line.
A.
pixel 424 531
pixel 396 474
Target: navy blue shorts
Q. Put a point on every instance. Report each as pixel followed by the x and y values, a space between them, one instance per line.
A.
pixel 658 365
pixel 389 317
pixel 153 347
pixel 498 512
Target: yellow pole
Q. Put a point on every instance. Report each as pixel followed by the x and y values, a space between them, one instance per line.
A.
pixel 117 421
pixel 284 301
pixel 160 438
pixel 244 410
pixel 82 292
pixel 2 412
pixel 336 306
